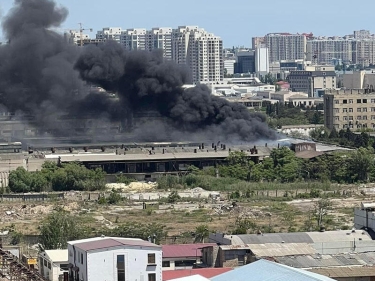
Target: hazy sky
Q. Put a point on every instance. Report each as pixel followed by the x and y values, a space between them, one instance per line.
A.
pixel 235 21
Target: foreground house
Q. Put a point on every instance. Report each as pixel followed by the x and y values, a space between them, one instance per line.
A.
pixel 110 259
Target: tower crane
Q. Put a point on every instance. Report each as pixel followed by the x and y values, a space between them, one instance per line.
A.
pixel 81 29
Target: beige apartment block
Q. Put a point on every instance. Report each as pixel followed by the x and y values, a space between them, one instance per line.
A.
pixel 354 109
pixel 359 80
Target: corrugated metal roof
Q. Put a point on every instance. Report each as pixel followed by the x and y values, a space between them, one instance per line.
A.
pixel 148 157
pixel 184 250
pixel 205 272
pixel 345 272
pixel 111 242
pixel 296 237
pixel 300 237
pixel 275 249
pixel 263 270
pixel 314 261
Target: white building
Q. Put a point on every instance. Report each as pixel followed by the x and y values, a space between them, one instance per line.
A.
pixel 109 33
pixel 114 259
pixel 134 39
pixel 160 38
pixel 229 66
pixel 262 61
pixel 201 51
pixel 364 217
pixel 53 264
pixel 74 37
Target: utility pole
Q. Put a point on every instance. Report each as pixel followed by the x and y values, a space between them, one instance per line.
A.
pixel 81 29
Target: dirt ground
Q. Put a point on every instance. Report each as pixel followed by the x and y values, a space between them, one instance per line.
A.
pixel 183 217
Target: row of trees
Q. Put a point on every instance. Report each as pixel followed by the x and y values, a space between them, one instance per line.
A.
pixel 343 137
pixel 284 166
pixel 282 114
pixel 53 177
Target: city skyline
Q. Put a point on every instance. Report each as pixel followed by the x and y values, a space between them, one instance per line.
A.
pixel 224 20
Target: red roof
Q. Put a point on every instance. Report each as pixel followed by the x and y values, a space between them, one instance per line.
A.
pixel 184 250
pixel 205 272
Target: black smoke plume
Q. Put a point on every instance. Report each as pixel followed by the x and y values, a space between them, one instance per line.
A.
pixel 45 77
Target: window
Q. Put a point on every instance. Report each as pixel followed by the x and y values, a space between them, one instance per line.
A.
pixel 120 268
pixel 81 258
pixel 49 265
pixel 345 118
pixel 344 110
pixel 350 117
pixel 350 101
pixel 151 259
pixel 152 277
pixel 364 109
pixel 358 109
pixel 364 117
pixel 338 118
pixel 344 101
pixel 364 101
pixel 372 117
pixel 372 100
pixel 359 100
pixel 168 263
pixel 45 263
pixel 350 109
pixel 372 109
pixel 359 117
pixel 336 101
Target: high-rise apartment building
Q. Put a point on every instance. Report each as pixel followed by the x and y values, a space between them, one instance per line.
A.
pixel 134 39
pixel 109 33
pixel 325 50
pixel 285 46
pixel 362 34
pixel 160 38
pixel 201 51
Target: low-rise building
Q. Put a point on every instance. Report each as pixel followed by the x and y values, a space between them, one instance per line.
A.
pixel 110 258
pixel 53 264
pixel 312 79
pixel 354 109
pixel 183 256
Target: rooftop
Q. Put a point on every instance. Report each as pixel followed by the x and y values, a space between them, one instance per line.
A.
pixel 275 249
pixel 267 270
pixel 205 272
pixel 56 255
pixel 346 272
pixel 110 242
pixel 299 237
pixel 184 250
pixel 191 278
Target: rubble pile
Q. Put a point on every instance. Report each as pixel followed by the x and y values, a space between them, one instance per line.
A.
pixel 235 210
pixel 30 211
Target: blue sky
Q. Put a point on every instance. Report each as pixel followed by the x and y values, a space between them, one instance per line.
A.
pixel 235 21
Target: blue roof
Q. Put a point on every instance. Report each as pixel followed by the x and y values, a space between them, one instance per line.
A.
pixel 264 270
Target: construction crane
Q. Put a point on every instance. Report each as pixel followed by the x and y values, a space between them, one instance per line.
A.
pixel 81 29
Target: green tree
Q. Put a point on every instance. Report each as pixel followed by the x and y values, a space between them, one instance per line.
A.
pixel 173 197
pixel 321 210
pixel 201 232
pixel 286 165
pixel 361 164
pixel 58 228
pixel 20 180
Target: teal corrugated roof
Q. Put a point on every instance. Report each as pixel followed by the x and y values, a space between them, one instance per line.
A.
pixel 264 270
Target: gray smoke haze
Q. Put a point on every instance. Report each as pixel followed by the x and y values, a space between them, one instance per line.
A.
pixel 44 76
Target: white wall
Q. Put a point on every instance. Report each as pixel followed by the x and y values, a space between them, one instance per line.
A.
pixel 101 264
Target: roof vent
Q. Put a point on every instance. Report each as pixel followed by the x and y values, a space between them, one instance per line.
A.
pixel 282 242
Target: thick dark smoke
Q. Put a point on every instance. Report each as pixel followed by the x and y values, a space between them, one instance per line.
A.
pixel 43 76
